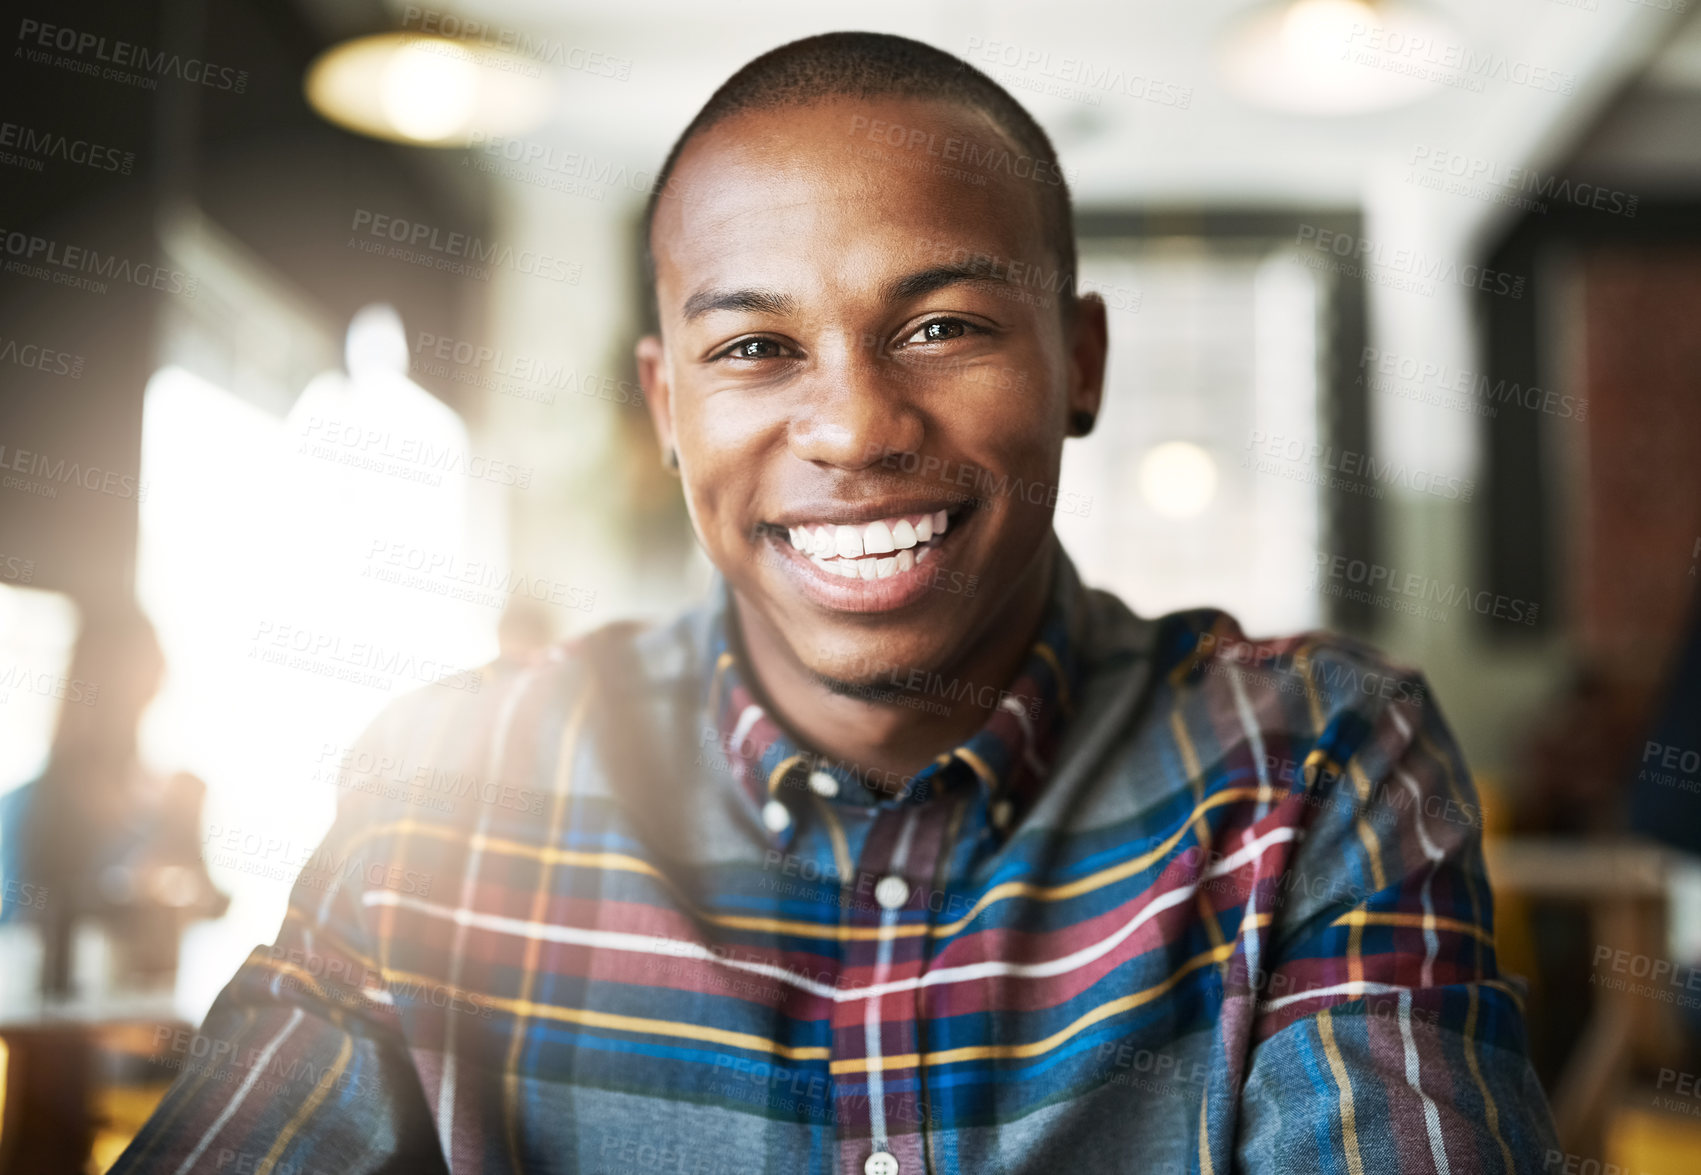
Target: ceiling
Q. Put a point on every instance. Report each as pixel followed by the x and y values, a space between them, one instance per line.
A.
pixel 1220 150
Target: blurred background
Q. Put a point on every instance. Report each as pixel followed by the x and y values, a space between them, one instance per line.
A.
pixel 315 346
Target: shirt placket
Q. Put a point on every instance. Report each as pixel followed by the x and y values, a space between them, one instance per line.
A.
pixel 880 1096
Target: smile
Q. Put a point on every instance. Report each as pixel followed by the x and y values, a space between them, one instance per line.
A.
pixel 876 550
pixel 866 566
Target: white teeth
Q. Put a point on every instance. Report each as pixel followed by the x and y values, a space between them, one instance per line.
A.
pixel 844 550
pixel 877 539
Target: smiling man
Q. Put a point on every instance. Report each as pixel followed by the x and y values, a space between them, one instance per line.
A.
pixel 906 852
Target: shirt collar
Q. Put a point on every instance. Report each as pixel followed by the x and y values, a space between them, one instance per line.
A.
pixel 1008 759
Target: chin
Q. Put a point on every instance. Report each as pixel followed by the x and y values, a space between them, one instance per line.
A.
pixel 854 665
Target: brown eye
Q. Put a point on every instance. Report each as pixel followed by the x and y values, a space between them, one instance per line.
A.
pixel 756 349
pixel 940 330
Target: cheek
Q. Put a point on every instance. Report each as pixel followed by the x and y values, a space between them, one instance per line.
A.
pixel 1024 457
pixel 1019 434
pixel 694 512
pixel 1017 412
pixel 718 457
pixel 711 502
pixel 720 486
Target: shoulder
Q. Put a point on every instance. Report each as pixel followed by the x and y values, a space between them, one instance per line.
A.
pixel 1298 705
pixel 497 737
pixel 1330 670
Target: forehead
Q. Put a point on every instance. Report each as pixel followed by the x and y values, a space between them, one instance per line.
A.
pixel 826 194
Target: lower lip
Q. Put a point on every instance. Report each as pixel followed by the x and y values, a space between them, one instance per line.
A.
pixel 896 591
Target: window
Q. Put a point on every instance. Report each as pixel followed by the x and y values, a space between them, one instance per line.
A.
pixel 1217 361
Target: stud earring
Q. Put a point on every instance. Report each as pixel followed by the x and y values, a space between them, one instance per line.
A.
pixel 1081 423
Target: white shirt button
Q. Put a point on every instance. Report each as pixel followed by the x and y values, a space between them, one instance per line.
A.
pixel 1001 813
pixel 776 816
pixel 823 783
pixel 881 1162
pixel 892 893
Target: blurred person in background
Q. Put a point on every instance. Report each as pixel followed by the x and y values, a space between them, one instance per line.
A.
pixel 906 851
pixel 100 836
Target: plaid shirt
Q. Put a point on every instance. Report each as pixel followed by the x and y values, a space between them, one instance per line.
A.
pixel 1186 903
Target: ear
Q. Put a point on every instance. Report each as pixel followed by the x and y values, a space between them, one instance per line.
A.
pixel 1088 345
pixel 658 389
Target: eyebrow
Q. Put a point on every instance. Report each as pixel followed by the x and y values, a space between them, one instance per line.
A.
pixel 977 269
pixel 913 285
pixel 750 301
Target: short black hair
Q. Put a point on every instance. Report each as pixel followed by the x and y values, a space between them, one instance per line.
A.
pixel 881 65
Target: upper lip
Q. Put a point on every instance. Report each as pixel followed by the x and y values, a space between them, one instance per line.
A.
pixel 833 512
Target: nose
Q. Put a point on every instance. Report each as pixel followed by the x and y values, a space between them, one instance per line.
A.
pixel 854 410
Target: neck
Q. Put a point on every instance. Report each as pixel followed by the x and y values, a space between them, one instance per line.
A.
pixel 888 726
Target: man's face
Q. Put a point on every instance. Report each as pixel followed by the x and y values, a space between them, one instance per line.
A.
pixel 866 375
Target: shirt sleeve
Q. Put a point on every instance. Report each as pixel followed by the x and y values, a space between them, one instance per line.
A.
pixel 1385 1038
pixel 301 1065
